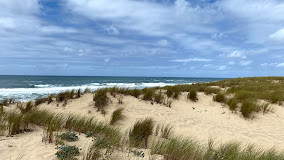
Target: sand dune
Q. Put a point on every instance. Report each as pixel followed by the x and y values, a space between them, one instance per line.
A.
pixel 202 120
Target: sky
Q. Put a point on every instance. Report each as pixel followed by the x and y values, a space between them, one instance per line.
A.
pixel 164 38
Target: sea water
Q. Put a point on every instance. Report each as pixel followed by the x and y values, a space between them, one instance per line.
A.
pixel 24 88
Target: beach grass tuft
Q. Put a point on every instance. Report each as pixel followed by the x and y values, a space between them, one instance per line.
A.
pixel 148 94
pixel 248 107
pixel 78 94
pixel 211 90
pixel 39 101
pixel 25 108
pixel 101 99
pixel 232 103
pixel 177 149
pixel 117 115
pixel 140 132
pixel 220 97
pixel 166 131
pixel 192 95
pixel 159 97
pixel 4 102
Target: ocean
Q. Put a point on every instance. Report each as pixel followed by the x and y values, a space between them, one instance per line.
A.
pixel 25 88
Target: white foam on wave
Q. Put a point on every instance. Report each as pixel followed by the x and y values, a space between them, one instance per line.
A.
pixel 96 84
pixel 25 94
pixel 43 85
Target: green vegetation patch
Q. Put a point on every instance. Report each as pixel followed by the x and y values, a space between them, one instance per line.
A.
pixel 69 136
pixel 67 152
pixel 140 132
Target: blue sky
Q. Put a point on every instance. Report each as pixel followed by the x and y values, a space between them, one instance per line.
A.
pixel 188 38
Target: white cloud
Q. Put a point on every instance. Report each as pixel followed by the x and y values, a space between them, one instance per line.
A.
pixel 215 67
pixel 280 65
pixel 56 29
pixel 237 54
pixel 217 36
pixel 274 64
pixel 245 63
pixel 221 68
pixel 163 43
pixel 7 23
pixel 268 64
pixel 181 6
pixel 253 26
pixel 147 17
pixel 67 49
pixel 111 30
pixel 208 66
pixel 192 60
pixel 254 9
pixel 18 7
pixel 106 60
pixel 81 52
pixel 278 35
pixel 232 63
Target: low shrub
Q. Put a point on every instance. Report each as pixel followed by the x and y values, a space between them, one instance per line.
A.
pixel 70 94
pixel 135 92
pixel 169 102
pixel 170 92
pixel 177 149
pixel 4 102
pixel 138 153
pixel 232 103
pixel 87 90
pixel 210 90
pixel 148 94
pixel 28 107
pixel 15 123
pixel 60 97
pixel 140 132
pixel 113 91
pixel 243 95
pixel 117 116
pixel 64 96
pixel 67 152
pixel 78 93
pixel 3 125
pixel 1 110
pixel 166 131
pixel 101 99
pixel 69 136
pixel 265 108
pixel 219 97
pixel 192 95
pixel 248 107
pixel 39 101
pixel 49 100
pixel 100 149
pixel 176 93
pixel 11 101
pixel 102 142
pixel 159 97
